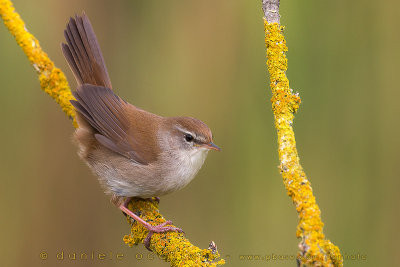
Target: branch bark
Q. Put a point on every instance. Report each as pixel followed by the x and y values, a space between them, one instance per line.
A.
pixel 271 10
pixel 172 247
pixel 315 250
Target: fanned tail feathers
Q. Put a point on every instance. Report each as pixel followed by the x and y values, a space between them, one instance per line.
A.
pixel 83 53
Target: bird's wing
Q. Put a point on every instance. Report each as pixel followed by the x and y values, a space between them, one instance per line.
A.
pixel 95 101
pixel 106 113
pixel 83 53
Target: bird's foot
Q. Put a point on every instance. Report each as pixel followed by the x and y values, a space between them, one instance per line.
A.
pixel 161 228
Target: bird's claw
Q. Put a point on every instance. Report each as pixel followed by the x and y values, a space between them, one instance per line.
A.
pixel 161 228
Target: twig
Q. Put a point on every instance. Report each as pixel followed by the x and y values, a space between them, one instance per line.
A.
pixel 315 250
pixel 172 247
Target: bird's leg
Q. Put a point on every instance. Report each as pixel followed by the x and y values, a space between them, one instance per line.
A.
pixel 161 228
pixel 127 200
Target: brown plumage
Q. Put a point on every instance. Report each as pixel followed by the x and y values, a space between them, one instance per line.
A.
pixel 98 105
pixel 133 152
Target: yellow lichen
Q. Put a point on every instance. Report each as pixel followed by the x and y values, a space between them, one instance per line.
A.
pixel 52 79
pixel 314 248
pixel 171 246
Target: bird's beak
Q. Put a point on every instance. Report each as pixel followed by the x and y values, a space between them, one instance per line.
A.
pixel 212 146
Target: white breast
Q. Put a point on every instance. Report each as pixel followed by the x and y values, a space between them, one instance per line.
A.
pixel 173 170
pixel 188 163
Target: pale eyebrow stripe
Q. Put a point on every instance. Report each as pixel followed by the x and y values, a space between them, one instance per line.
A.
pixel 198 138
pixel 184 130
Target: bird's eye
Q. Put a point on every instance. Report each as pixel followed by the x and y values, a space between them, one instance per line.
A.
pixel 189 137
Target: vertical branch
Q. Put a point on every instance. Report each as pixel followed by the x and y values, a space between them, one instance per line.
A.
pixel 315 250
pixel 271 11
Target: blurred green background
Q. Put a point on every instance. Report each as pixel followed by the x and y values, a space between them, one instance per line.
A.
pixel 207 59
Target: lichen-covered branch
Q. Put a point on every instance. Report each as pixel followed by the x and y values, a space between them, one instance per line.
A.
pixel 315 250
pixel 52 79
pixel 173 247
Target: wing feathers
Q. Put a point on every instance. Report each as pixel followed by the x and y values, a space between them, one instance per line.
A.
pixel 105 112
pixel 95 101
pixel 79 107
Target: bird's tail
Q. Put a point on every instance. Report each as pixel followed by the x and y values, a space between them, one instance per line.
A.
pixel 83 53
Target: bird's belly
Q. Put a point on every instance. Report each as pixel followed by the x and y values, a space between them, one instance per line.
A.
pixel 164 176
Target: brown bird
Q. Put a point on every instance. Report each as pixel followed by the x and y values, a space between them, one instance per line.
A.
pixel 133 152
